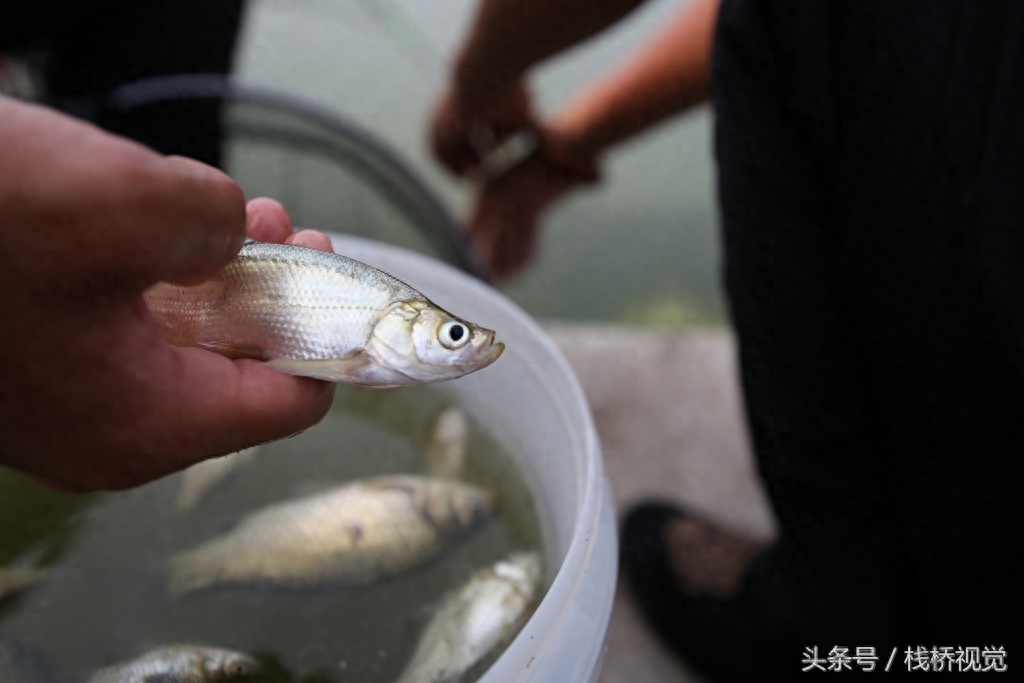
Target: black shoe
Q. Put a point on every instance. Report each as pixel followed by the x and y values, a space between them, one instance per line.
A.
pixel 703 609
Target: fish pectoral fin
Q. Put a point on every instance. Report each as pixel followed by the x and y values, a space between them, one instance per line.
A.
pixel 331 369
pixel 233 350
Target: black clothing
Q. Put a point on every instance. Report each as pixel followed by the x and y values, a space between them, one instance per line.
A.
pixel 93 46
pixel 871 158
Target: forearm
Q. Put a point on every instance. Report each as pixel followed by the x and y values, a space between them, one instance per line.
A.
pixel 510 36
pixel 667 76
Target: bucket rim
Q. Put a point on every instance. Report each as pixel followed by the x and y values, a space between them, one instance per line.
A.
pixel 568 580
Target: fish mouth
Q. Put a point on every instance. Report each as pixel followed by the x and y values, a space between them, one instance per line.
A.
pixel 494 349
pixel 486 349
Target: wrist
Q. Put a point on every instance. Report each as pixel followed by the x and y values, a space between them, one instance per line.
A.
pixel 583 130
pixel 477 87
pixel 570 156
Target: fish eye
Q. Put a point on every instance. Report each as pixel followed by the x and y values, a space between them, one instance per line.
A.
pixel 453 335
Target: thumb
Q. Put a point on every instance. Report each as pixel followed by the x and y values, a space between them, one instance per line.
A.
pixel 151 218
pixel 204 221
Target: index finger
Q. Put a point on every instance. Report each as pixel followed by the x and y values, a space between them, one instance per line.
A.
pixel 267 221
pixel 207 221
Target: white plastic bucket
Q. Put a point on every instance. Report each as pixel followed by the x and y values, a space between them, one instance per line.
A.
pixel 531 402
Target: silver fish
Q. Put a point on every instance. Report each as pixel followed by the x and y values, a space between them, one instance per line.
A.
pixel 317 314
pixel 446 454
pixel 198 481
pixel 473 619
pixel 180 664
pixel 350 536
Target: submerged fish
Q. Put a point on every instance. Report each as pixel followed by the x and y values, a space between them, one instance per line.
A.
pixel 446 454
pixel 350 536
pixel 317 314
pixel 473 619
pixel 180 664
pixel 198 481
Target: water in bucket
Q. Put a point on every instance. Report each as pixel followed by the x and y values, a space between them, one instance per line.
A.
pixel 106 599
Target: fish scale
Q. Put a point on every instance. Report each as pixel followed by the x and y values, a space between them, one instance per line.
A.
pixel 180 664
pixel 471 620
pixel 350 536
pixel 320 314
pixel 311 305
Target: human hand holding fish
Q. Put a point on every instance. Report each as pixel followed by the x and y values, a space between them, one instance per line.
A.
pixel 92 397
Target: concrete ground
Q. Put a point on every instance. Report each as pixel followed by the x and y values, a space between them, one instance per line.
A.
pixel 667 409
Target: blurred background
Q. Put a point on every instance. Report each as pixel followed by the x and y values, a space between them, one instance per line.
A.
pixel 639 248
pixel 332 123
